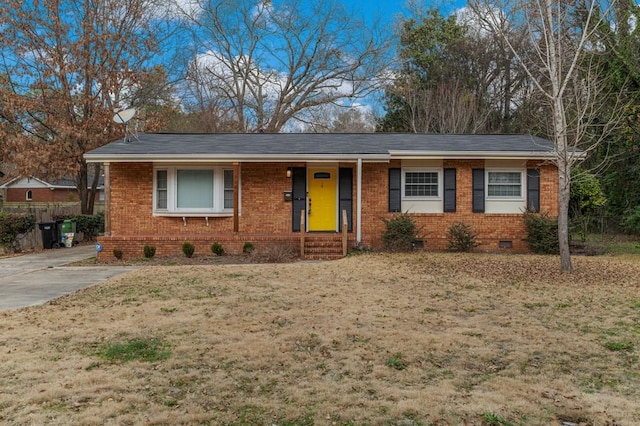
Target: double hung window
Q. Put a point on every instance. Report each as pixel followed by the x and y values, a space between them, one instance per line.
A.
pixel 505 184
pixel 421 183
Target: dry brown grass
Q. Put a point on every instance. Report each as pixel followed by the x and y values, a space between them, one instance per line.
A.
pixel 314 343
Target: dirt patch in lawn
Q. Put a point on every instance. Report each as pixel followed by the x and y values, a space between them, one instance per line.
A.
pixel 374 339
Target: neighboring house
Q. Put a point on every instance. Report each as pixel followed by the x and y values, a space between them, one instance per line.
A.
pixel 164 189
pixel 35 192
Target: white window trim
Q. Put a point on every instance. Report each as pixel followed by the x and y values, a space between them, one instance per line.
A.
pixel 422 170
pixel 523 189
pixel 28 195
pixel 172 193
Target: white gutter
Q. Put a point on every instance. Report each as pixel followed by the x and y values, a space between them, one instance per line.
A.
pixel 466 155
pixel 247 158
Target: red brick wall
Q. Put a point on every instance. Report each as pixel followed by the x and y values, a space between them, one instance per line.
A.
pixel 491 228
pixel 264 213
pixel 265 216
pixel 41 195
pixel 264 210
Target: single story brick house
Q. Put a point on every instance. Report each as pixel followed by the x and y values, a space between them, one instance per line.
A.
pixel 31 191
pixel 314 189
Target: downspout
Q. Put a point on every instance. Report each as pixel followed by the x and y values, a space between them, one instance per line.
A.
pixel 106 187
pixel 359 203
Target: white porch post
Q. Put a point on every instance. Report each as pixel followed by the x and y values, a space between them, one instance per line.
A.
pixel 359 203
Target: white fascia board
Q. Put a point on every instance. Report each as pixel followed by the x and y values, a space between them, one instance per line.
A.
pixel 252 158
pixel 8 183
pixel 23 182
pixel 464 155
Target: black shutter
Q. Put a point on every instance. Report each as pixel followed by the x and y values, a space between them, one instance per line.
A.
pixel 345 194
pixel 449 190
pixel 477 178
pixel 395 190
pixel 299 195
pixel 533 190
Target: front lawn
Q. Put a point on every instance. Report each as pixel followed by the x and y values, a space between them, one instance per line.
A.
pixel 425 338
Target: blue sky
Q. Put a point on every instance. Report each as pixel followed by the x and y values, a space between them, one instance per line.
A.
pixel 387 10
pixel 384 9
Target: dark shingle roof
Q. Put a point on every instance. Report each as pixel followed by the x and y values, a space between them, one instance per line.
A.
pixel 306 145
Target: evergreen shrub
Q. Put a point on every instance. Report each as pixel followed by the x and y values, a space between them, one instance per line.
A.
pixel 149 251
pixel 217 249
pixel 542 233
pixel 461 237
pixel 400 233
pixel 188 249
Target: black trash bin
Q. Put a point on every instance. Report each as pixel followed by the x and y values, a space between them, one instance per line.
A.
pixel 50 235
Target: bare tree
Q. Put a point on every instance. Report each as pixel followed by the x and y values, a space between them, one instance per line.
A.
pixel 66 65
pixel 268 64
pixel 454 77
pixel 337 119
pixel 560 67
pixel 354 120
pixel 445 108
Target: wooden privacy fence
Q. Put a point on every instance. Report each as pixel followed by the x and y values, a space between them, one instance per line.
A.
pixel 33 239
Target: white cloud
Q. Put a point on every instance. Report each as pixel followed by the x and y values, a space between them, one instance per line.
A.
pixel 181 8
pixel 477 26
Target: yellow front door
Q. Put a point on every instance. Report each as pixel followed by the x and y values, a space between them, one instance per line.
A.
pixel 321 208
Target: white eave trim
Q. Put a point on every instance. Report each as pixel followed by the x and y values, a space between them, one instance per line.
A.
pixel 247 158
pixel 10 184
pixel 465 155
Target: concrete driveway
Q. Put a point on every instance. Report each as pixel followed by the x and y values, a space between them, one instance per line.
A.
pixel 34 279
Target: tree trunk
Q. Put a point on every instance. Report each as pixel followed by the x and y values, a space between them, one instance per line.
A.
pixel 86 193
pixel 564 183
pixel 564 179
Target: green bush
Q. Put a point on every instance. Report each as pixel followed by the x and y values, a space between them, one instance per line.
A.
pixel 188 249
pixel 12 225
pixel 542 233
pixel 461 237
pixel 117 253
pixel 217 249
pixel 149 251
pixel 400 233
pixel 90 225
pixel 631 221
pixel 248 247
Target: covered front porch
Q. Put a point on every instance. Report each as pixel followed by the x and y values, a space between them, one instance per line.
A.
pixel 313 208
